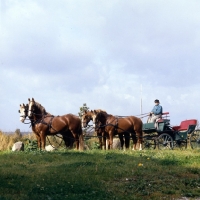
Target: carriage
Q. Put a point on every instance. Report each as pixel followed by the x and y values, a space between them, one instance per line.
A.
pixel 165 136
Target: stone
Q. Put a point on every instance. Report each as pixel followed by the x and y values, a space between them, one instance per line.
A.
pixel 18 146
pixel 50 148
pixel 116 144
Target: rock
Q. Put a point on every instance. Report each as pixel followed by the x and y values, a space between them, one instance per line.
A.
pixel 50 148
pixel 86 147
pixel 18 146
pixel 116 143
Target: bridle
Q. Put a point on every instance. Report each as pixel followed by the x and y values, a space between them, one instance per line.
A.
pixel 86 120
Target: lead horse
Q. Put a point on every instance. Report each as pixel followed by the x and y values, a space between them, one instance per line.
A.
pixel 46 124
pixel 67 136
pixel 113 125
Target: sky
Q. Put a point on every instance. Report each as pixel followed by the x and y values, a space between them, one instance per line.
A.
pixel 114 55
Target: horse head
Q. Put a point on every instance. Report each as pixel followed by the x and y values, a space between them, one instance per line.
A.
pixel 99 118
pixel 85 119
pixel 23 110
pixel 31 107
pixel 35 109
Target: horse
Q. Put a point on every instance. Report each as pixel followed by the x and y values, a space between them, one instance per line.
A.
pixel 47 124
pixel 86 118
pixel 101 133
pixel 68 137
pixel 117 125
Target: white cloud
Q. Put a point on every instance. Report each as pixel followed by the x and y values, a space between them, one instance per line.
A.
pixel 67 53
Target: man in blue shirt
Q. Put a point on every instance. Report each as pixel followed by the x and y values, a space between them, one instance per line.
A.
pixel 156 112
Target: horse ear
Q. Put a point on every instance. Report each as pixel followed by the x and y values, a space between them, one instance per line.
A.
pixel 33 99
pixel 95 112
pixel 23 104
pixel 29 99
pixel 20 105
pixel 91 111
pixel 85 111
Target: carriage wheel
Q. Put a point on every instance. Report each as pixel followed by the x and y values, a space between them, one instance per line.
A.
pixel 55 140
pixel 149 143
pixel 180 144
pixel 195 139
pixel 165 141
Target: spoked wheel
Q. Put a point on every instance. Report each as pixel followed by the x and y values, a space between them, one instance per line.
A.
pixel 180 144
pixel 149 143
pixel 195 139
pixel 55 140
pixel 165 141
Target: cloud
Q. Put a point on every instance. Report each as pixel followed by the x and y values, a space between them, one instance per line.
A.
pixel 68 53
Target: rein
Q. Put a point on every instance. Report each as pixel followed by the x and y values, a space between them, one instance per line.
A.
pixel 146 114
pixel 56 141
pixel 103 126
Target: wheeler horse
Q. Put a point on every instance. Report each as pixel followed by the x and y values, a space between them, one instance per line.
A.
pixel 43 124
pixel 120 125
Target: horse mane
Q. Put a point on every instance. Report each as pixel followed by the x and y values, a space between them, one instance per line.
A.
pixel 99 110
pixel 102 114
pixel 41 108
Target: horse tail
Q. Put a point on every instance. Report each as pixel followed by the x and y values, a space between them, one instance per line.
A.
pixel 81 139
pixel 81 142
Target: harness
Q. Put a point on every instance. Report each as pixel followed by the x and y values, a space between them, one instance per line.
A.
pixel 49 124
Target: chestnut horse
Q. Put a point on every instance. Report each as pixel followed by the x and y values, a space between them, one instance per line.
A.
pixel 90 115
pixel 47 124
pixel 118 125
pixel 67 137
pixel 86 118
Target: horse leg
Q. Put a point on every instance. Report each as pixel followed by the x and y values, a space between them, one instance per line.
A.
pixel 134 141
pixel 98 133
pixel 66 140
pixel 139 139
pixel 121 140
pixel 38 141
pixel 77 142
pixel 71 142
pixel 127 140
pixel 43 140
pixel 104 140
pixel 111 139
pixel 76 138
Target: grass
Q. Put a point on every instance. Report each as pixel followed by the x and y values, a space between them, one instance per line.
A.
pixel 96 174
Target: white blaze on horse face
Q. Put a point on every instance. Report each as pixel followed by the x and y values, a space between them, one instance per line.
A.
pixel 93 120
pixel 29 108
pixel 82 120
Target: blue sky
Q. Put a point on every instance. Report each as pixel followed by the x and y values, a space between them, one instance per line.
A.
pixel 66 53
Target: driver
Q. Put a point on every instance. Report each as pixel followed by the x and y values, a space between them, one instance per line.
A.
pixel 156 112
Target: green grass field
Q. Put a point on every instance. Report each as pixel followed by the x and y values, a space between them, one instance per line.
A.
pixel 96 174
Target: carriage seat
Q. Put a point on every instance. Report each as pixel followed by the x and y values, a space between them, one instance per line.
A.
pixel 161 119
pixel 184 126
